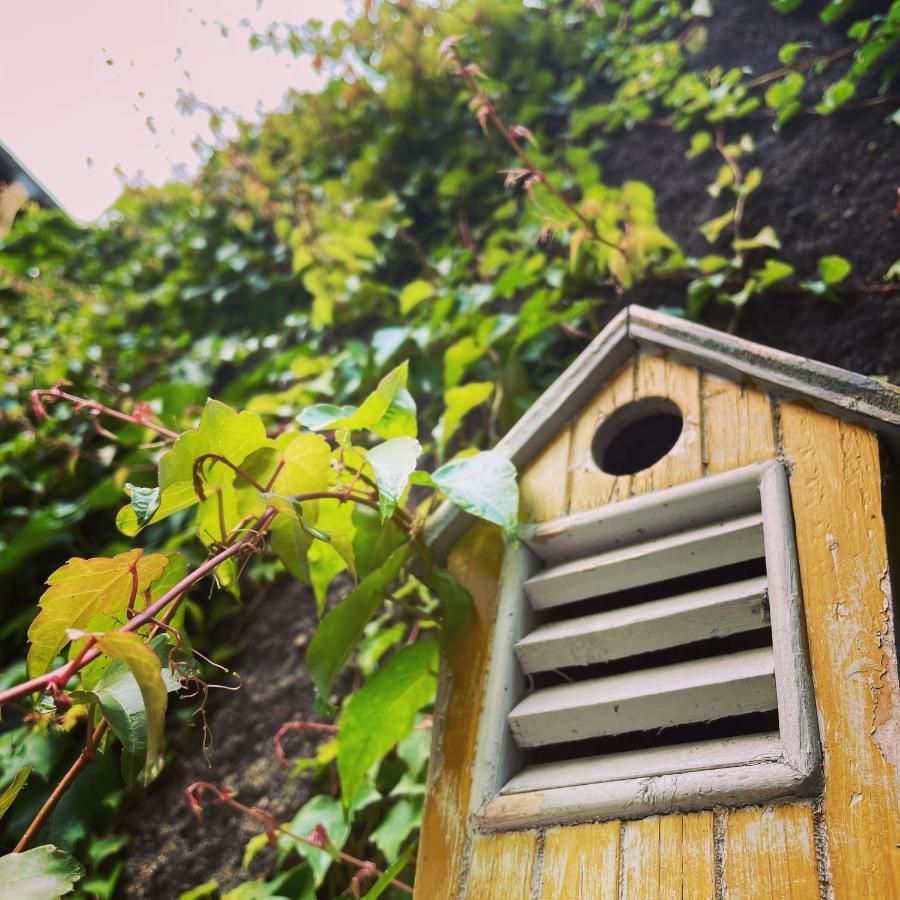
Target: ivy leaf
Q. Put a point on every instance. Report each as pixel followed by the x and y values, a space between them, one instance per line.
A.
pixel 301 460
pixel 459 401
pixel 323 811
pixel 401 820
pixel 714 227
pixel 144 502
pixel 833 269
pixel 391 463
pixel 173 499
pixel 82 589
pixel 765 237
pixel 132 694
pixel 835 96
pixel 382 712
pixel 368 415
pixel 290 540
pixel 341 628
pixel 414 293
pixel 785 90
pixel 455 599
pixel 483 485
pixel 38 874
pixel 9 795
pixel 773 270
pixel 373 540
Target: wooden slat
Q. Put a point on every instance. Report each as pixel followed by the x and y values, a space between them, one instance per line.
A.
pixel 770 854
pixel 639 859
pixel 836 492
pixel 687 857
pixel 737 425
pixel 659 377
pixel 600 637
pixel 476 561
pixel 501 866
pixel 700 502
pixel 695 691
pixel 753 748
pixel 590 486
pixel 536 502
pixel 682 553
pixel 581 863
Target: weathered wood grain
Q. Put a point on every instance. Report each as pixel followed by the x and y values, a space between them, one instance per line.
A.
pixel 476 561
pixel 737 425
pixel 841 541
pixel 550 467
pixel 590 486
pixel 687 857
pixel 639 859
pixel 581 863
pixel 770 854
pixel 501 866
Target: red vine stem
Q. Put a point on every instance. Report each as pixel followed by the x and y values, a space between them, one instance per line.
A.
pixel 86 755
pixel 138 417
pixel 62 675
pixel 319 837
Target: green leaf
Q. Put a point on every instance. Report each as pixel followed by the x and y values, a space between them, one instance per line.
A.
pixel 82 589
pixel 788 52
pixel 785 90
pixel 835 96
pixel 320 810
pixel 773 270
pixel 133 695
pixel 38 874
pixel 459 401
pixel 373 540
pixel 414 293
pixel 383 711
pixel 302 462
pixel 833 269
pixel 714 227
pixel 9 795
pixel 341 628
pixel 144 502
pixel 392 462
pixel 765 237
pixel 291 542
pixel 392 871
pixel 455 600
pixel 483 485
pixel 173 499
pixel 835 9
pixel 377 406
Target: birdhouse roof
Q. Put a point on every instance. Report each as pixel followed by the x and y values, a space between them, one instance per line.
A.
pixel 829 389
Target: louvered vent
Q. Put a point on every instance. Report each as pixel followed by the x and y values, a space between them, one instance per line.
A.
pixel 658 647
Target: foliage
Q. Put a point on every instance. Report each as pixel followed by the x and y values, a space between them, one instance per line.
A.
pixel 364 225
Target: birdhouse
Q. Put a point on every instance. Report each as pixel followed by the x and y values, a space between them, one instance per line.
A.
pixel 681 678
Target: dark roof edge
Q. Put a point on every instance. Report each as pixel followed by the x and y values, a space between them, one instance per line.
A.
pixel 835 391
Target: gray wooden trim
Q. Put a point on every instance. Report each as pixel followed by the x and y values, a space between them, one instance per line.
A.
pixel 635 798
pixel 503 800
pixel 834 391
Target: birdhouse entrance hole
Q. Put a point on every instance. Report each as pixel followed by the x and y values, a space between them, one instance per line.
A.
pixel 637 435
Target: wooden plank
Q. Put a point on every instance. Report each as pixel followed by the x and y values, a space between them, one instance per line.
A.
pixel 599 637
pixel 687 856
pixel 639 875
pixel 660 377
pixel 501 866
pixel 590 486
pixel 770 853
pixel 581 862
pixel 737 425
pixel 682 553
pixel 476 561
pixel 635 797
pixel 841 542
pixel 695 691
pixel 734 751
pixel 700 502
pixel 540 496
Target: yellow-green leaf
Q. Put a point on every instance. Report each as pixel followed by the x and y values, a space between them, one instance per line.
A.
pixel 82 589
pixel 10 794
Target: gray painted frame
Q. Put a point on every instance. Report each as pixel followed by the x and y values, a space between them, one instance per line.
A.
pixel 776 766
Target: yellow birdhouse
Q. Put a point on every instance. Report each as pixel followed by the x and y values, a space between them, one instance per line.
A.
pixel 680 679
